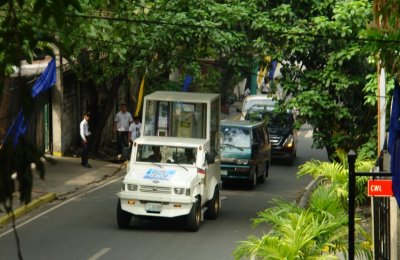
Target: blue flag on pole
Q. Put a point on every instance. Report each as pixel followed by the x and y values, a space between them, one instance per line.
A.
pixel 46 80
pixel 186 82
pixel 394 142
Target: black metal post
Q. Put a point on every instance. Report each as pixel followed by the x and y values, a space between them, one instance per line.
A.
pixel 351 158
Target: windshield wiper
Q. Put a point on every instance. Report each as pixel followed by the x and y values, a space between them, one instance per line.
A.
pixel 182 166
pixel 159 165
pixel 234 146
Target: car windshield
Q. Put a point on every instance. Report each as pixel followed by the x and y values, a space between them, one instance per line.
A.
pixel 166 154
pixel 235 137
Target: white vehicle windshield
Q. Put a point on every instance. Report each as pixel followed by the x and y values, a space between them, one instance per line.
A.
pixel 235 136
pixel 266 102
pixel 166 154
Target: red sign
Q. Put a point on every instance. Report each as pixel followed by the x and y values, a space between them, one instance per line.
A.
pixel 380 188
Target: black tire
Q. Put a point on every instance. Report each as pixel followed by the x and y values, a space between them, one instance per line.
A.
pixel 194 218
pixel 123 217
pixel 253 179
pixel 264 176
pixel 213 205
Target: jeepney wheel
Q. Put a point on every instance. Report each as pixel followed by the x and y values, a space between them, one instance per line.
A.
pixel 123 217
pixel 253 180
pixel 213 205
pixel 194 217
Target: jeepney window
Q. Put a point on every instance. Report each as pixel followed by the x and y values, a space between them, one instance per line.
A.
pixel 166 154
pixel 235 137
pixel 214 143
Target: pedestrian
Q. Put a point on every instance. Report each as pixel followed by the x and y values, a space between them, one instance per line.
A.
pixel 121 124
pixel 85 136
pixel 134 129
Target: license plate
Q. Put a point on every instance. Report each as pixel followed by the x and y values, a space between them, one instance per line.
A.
pixel 224 172
pixel 153 207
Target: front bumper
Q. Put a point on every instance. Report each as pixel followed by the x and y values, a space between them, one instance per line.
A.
pixel 282 152
pixel 235 172
pixel 145 204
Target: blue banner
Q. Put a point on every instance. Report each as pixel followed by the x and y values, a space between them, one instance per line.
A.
pixel 394 142
pixel 43 83
pixel 46 80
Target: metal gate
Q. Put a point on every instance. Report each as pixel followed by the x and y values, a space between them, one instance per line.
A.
pixel 381 212
pixel 381 228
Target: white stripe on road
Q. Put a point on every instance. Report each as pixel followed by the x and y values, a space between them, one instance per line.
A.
pixel 59 205
pixel 100 254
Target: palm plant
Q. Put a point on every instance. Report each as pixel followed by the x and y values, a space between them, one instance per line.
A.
pixel 336 174
pixel 318 232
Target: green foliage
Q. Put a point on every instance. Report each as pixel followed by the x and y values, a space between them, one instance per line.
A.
pixel 325 67
pixel 318 232
pixel 336 174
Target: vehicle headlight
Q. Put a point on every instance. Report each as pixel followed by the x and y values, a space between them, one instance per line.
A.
pixel 179 191
pixel 242 161
pixel 289 141
pixel 131 187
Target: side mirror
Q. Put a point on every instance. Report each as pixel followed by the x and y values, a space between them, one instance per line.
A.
pixel 210 157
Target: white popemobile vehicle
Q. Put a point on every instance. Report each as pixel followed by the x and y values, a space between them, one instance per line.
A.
pixel 174 167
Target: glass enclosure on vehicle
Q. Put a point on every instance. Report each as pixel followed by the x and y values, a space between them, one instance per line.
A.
pixel 166 154
pixel 182 115
pixel 175 119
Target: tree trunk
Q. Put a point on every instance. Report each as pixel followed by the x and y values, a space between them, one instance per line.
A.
pixel 100 111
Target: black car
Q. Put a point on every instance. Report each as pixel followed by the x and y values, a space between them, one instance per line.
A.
pixel 280 124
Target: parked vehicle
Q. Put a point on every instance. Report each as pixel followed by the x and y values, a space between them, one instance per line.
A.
pixel 253 100
pixel 245 151
pixel 174 168
pixel 280 124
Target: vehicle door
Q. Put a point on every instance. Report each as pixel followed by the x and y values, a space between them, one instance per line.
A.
pixel 259 149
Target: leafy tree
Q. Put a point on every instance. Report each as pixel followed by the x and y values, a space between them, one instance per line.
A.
pixel 325 66
pixel 129 39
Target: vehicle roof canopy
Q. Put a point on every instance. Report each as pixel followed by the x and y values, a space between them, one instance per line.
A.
pixel 182 96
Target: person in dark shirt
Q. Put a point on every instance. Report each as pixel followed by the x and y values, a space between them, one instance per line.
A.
pixel 156 156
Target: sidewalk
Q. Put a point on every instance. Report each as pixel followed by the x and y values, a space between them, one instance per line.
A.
pixel 62 180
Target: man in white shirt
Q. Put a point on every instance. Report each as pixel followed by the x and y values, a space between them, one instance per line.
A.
pixel 134 129
pixel 121 124
pixel 85 135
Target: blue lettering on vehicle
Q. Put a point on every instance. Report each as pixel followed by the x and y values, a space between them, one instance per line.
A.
pixel 156 174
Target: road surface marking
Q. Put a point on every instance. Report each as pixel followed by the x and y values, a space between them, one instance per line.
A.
pixel 100 254
pixel 59 205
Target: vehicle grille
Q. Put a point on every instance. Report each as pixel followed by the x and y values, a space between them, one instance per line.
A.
pixel 275 139
pixel 155 189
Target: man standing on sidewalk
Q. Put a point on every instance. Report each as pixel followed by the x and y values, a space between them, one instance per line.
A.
pixel 85 135
pixel 121 125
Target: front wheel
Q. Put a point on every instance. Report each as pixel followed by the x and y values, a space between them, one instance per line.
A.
pixel 123 217
pixel 213 205
pixel 194 217
pixel 253 179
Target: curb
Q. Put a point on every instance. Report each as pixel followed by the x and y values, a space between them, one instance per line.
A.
pixel 18 212
pixel 308 190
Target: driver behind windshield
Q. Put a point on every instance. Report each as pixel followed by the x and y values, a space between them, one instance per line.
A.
pixel 156 156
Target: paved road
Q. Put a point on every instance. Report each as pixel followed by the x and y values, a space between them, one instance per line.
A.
pixel 85 227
